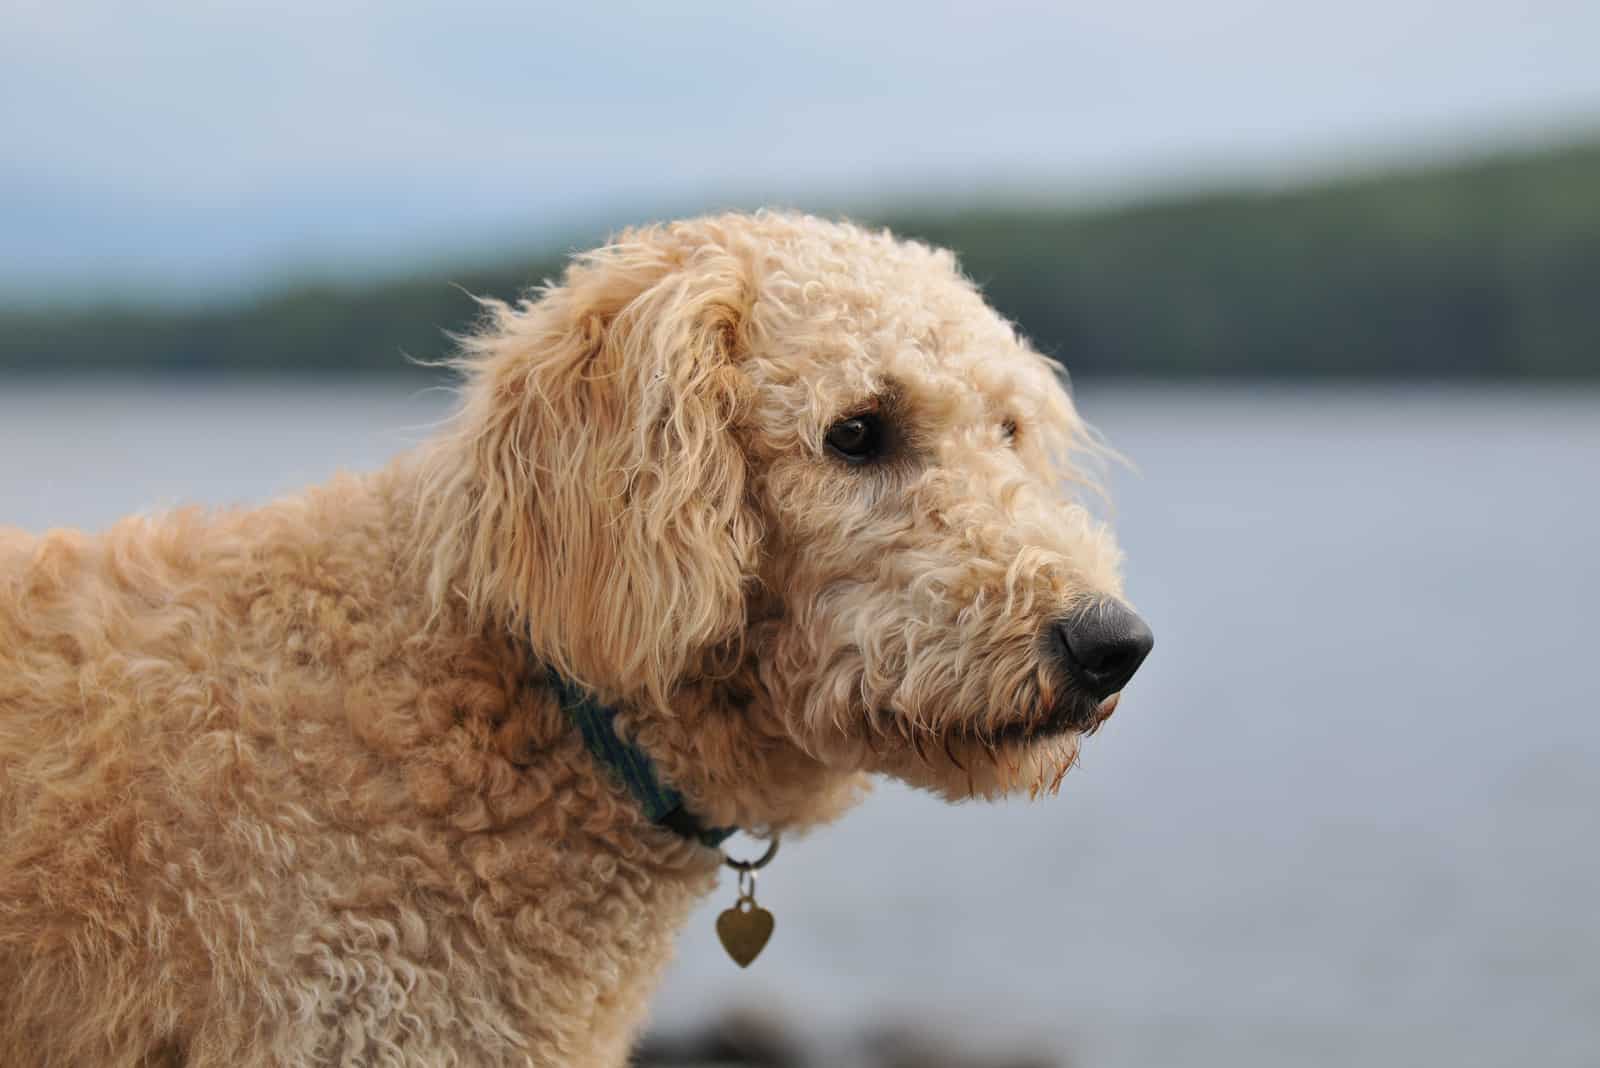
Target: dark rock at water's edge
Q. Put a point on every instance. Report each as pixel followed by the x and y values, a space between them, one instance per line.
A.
pixel 754 1038
pixel 737 1037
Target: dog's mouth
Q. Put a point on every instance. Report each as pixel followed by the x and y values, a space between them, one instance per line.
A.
pixel 1075 715
pixel 992 757
pixel 1033 750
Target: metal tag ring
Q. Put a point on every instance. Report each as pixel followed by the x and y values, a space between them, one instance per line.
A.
pixel 757 864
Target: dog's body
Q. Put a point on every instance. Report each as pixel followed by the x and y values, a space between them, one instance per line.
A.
pixel 258 809
pixel 290 787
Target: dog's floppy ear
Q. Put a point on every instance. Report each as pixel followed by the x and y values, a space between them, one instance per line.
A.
pixel 592 496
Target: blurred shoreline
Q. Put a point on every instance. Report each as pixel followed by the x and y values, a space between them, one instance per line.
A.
pixel 1483 269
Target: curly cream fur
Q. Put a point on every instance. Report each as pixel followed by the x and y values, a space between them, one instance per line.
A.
pixel 285 786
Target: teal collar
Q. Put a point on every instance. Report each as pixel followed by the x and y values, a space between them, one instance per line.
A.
pixel 661 803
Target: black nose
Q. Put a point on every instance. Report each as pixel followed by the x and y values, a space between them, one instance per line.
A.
pixel 1102 646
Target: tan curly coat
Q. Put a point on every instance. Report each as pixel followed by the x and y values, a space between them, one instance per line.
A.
pixel 284 786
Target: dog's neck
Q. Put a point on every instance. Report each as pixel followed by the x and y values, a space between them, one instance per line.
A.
pixel 721 742
pixel 724 751
pixel 630 765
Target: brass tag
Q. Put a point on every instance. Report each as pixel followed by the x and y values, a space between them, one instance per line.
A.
pixel 744 930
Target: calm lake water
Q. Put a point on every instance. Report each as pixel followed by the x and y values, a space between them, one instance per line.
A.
pixel 1347 813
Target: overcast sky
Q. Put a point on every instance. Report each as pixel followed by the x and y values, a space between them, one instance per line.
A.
pixel 189 146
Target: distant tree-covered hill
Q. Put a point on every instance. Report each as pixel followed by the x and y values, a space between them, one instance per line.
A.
pixel 1488 268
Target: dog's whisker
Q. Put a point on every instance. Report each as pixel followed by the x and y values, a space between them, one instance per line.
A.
pixel 949 752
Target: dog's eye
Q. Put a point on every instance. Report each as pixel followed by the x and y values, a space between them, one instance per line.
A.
pixel 857 439
pixel 1009 429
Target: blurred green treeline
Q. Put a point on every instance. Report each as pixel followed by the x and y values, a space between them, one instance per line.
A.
pixel 1489 268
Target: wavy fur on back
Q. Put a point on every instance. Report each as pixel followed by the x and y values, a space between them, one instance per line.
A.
pixel 284 786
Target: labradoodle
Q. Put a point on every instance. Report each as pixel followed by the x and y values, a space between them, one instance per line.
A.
pixel 299 785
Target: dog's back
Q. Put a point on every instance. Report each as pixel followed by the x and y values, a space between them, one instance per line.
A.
pixel 155 682
pixel 256 810
pixel 99 660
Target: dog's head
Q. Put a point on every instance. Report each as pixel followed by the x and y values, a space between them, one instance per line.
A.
pixel 805 467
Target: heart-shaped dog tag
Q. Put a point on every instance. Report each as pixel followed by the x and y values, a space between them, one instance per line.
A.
pixel 744 930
